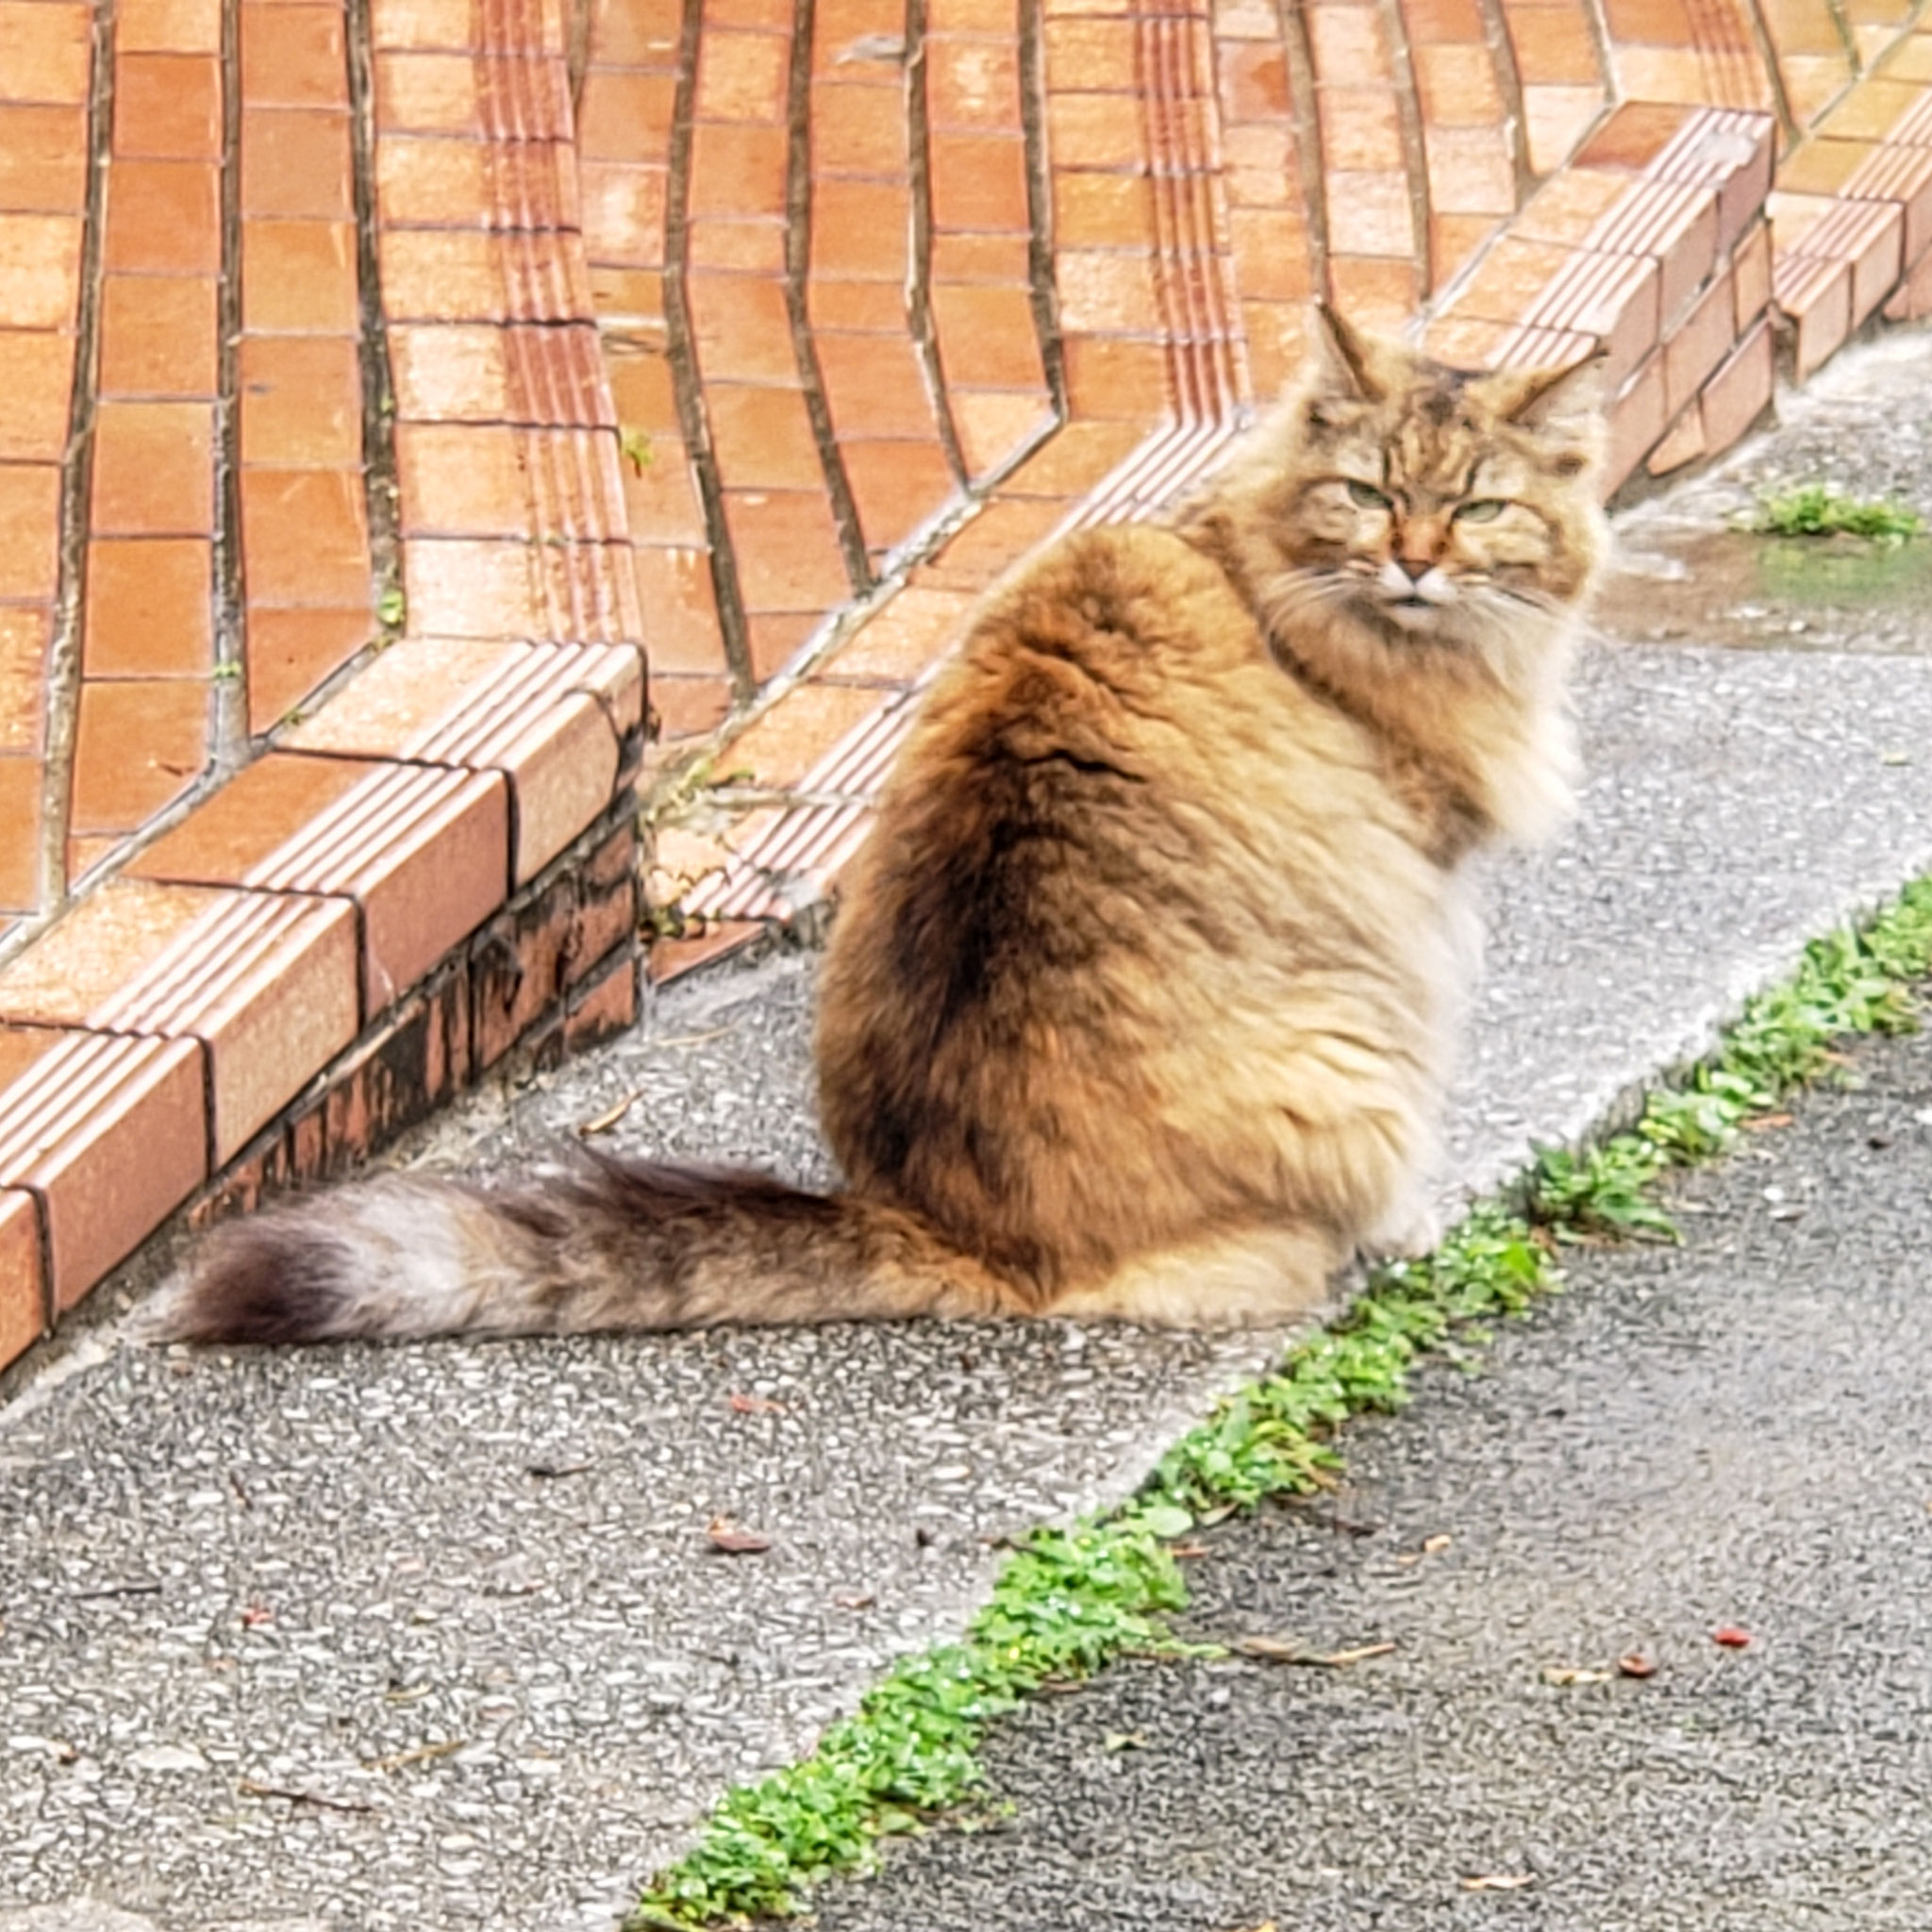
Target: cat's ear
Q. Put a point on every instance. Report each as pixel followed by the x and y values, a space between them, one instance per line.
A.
pixel 1345 364
pixel 1551 396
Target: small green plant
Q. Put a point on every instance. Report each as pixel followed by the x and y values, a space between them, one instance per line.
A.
pixel 634 446
pixel 1067 1602
pixel 391 609
pixel 1812 509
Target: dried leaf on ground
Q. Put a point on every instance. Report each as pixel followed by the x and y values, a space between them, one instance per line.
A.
pixel 1285 1650
pixel 1730 1636
pixel 1563 1675
pixel 1636 1663
pixel 1499 1881
pixel 753 1405
pixel 734 1540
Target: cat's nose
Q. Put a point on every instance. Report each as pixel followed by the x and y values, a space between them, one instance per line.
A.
pixel 1417 567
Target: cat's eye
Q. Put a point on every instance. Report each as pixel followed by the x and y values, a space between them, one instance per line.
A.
pixel 1367 495
pixel 1485 509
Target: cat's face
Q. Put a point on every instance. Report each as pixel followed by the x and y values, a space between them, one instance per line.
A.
pixel 1432 504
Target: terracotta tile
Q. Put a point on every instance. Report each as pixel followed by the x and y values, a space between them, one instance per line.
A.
pixel 1116 379
pixel 149 608
pixel 163 218
pixel 788 551
pixel 1075 460
pixel 1458 86
pixel 681 631
pixel 1454 241
pixel 295 164
pixel 988 339
pixel 43 159
pixel 1261 166
pixel 20 834
pixel 1873 109
pixel 232 832
pixel 1348 43
pixel 800 730
pixel 1380 220
pixel 1738 394
pixel 291 652
pixel 1816 295
pixel 153 470
pixel 1089 53
pixel 460 480
pixel 24 638
pixel 1662 74
pixel 1554 46
pixel 1554 120
pixel 737 170
pixel 168 106
pixel 1377 293
pixel 763 438
pixel 36 377
pixel 140 743
pixel 428 23
pixel 972 86
pixel 860 231
pixel 742 330
pixel 426 854
pixel 1912 59
pixel 1470 172
pixel 1911 301
pixel 292 56
pixel 298 278
pixel 1512 278
pixel 23 1305
pixel 897 487
pixel 1090 131
pixel 304 537
pixel 1812 82
pixel 1105 290
pixel 911 631
pixel 1102 211
pixel 1651 23
pixel 849 135
pixel 995 426
pixel 1637 422
pixel 984 257
pixel 168 26
pixel 468 588
pixel 301 402
pixel 627 117
pixel 741 77
pixel 1566 208
pixel 1442 20
pixel 1678 227
pixel 111 1134
pixel 158 335
pixel 1271 253
pixel 1253 82
pixel 40 270
pixel 686 705
pixel 1613 297
pixel 1705 336
pixel 876 308
pixel 1633 137
pixel 1683 443
pixel 978 182
pixel 671 959
pixel 29 531
pixel 1903 175
pixel 753 247
pixel 428 94
pixel 775 638
pixel 624 212
pixel 1362 128
pixel 1750 275
pixel 453 373
pixel 43 52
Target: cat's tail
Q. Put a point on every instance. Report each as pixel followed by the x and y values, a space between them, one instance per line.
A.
pixel 619 1244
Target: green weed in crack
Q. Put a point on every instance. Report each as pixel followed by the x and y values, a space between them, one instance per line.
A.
pixel 1068 1601
pixel 1814 509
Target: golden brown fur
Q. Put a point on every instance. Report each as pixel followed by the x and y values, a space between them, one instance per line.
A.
pixel 1141 996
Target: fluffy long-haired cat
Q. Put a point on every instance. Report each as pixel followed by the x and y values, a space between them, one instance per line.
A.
pixel 1142 995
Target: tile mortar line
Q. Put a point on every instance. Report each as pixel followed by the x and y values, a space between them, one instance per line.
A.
pixel 381 490
pixel 919 272
pixel 1766 49
pixel 1415 160
pixel 798 227
pixel 1596 18
pixel 1042 291
pixel 686 377
pixel 228 722
pixel 1510 81
pixel 62 673
pixel 1847 39
pixel 1292 27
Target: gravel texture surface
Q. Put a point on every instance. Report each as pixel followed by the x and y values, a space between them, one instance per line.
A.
pixel 361 1639
pixel 1730 1433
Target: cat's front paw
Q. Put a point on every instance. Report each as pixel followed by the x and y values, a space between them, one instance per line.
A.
pixel 1407 1235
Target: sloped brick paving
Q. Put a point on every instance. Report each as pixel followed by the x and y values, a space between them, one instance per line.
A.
pixel 377 376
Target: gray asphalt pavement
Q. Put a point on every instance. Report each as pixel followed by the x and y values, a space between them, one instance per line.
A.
pixel 1730 1433
pixel 357 1639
